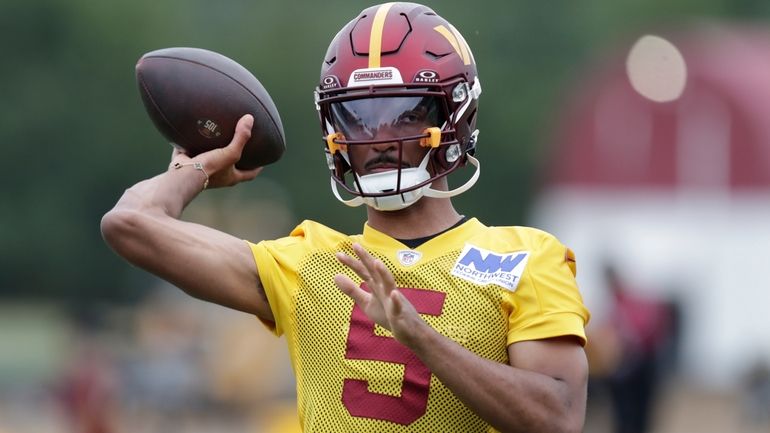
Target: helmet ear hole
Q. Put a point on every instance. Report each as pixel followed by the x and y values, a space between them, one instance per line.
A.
pixel 470 140
pixel 446 156
pixel 472 119
pixel 439 158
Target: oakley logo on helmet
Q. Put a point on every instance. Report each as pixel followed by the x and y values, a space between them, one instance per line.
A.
pixel 427 76
pixel 330 82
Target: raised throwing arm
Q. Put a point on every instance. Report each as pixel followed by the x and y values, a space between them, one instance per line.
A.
pixel 145 229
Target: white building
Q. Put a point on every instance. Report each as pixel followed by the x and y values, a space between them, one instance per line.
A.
pixel 676 195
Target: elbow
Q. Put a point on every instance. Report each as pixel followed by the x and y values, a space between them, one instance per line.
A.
pixel 571 423
pixel 571 417
pixel 573 428
pixel 546 426
pixel 553 420
pixel 118 227
pixel 576 429
pixel 559 419
pixel 551 426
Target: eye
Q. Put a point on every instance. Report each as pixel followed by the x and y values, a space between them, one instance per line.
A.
pixel 411 117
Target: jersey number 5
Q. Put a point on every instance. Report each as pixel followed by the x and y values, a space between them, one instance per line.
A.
pixel 364 344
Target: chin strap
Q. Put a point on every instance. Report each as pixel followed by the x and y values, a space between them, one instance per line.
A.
pixel 353 202
pixel 435 193
pixel 424 191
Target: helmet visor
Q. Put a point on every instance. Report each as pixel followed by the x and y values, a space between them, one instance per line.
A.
pixel 386 117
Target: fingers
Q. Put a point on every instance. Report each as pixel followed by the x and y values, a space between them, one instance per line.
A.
pixel 364 256
pixel 350 288
pixel 177 155
pixel 397 301
pixel 244 175
pixel 220 163
pixel 229 154
pixel 376 275
pixel 378 295
pixel 226 156
pixel 357 266
pixel 380 278
pixel 386 277
pixel 368 265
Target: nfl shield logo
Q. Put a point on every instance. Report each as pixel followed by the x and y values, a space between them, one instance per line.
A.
pixel 409 257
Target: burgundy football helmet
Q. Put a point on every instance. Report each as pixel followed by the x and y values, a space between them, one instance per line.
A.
pixel 398 73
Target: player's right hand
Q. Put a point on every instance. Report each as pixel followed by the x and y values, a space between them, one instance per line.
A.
pixel 219 164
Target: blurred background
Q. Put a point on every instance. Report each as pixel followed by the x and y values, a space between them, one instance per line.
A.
pixel 635 131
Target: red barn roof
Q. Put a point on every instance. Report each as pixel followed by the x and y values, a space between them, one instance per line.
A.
pixel 716 135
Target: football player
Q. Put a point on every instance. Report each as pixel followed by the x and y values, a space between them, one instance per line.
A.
pixel 428 320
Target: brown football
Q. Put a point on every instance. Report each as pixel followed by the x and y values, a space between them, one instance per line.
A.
pixel 195 97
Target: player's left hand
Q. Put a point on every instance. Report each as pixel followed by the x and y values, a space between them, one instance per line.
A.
pixel 383 303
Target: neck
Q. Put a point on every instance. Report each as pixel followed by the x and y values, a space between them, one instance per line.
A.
pixel 426 217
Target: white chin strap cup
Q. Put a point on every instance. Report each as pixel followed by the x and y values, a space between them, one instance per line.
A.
pixel 381 182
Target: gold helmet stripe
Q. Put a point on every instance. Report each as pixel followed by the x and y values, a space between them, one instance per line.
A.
pixel 459 45
pixel 467 54
pixel 375 38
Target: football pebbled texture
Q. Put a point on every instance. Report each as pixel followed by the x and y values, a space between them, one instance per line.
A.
pixel 195 98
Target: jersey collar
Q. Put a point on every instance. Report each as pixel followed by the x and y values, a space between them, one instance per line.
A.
pixel 376 239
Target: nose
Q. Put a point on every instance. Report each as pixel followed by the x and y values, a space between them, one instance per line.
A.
pixel 387 140
pixel 385 146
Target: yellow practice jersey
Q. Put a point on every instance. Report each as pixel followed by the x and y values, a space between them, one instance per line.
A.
pixel 483 287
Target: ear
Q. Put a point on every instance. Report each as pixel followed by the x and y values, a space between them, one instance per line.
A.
pixel 438 160
pixel 341 166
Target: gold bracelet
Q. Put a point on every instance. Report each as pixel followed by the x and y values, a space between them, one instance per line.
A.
pixel 197 166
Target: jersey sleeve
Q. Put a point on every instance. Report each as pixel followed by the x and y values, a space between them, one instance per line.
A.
pixel 277 262
pixel 547 302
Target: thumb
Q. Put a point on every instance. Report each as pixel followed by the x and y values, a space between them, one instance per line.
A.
pixel 398 300
pixel 242 134
pixel 223 157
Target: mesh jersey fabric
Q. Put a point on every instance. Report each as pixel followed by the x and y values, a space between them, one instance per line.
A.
pixel 352 376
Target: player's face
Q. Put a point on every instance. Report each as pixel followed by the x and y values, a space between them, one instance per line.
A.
pixel 392 122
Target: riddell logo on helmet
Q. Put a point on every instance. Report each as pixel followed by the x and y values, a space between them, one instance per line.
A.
pixel 376 76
